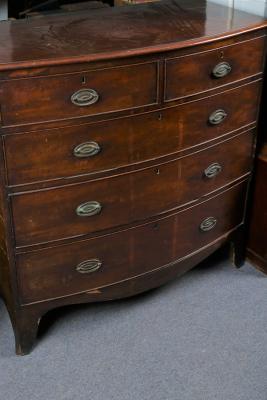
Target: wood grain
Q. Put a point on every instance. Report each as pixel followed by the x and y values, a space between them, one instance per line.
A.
pixel 119 32
pixel 195 71
pixel 52 273
pixel 49 98
pixel 48 215
pixel 46 155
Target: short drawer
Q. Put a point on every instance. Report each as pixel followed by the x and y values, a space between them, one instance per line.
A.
pixel 199 72
pixel 90 148
pixel 90 264
pixel 83 94
pixel 89 207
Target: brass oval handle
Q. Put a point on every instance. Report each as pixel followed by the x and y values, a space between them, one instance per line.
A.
pixel 84 97
pixel 87 149
pixel 89 266
pixel 213 170
pixel 221 70
pixel 208 224
pixel 217 117
pixel 88 209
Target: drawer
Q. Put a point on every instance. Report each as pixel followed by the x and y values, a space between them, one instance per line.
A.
pixel 199 72
pixel 89 207
pixel 93 263
pixel 49 98
pixel 78 150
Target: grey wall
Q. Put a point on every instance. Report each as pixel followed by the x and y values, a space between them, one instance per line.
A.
pixel 3 10
pixel 252 6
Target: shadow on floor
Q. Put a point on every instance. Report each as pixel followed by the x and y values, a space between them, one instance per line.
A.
pixel 56 315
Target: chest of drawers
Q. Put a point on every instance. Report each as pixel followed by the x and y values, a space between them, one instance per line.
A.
pixel 127 145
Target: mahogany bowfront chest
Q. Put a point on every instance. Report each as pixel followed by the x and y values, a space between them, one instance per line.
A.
pixel 127 145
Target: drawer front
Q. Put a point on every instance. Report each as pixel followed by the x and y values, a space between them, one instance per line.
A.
pixel 103 146
pixel 78 95
pixel 88 207
pixel 89 264
pixel 200 72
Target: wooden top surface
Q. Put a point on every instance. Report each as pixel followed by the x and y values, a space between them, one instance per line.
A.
pixel 118 32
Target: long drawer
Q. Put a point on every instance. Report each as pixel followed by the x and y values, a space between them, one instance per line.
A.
pixel 79 150
pixel 80 94
pixel 90 264
pixel 199 72
pixel 88 207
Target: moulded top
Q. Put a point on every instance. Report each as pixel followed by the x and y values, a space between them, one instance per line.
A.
pixel 118 32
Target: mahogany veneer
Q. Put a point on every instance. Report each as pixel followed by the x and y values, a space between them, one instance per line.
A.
pixel 40 271
pixel 194 70
pixel 128 140
pixel 49 214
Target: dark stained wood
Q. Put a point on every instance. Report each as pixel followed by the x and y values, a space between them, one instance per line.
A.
pixel 126 288
pixel 257 244
pixel 52 272
pixel 25 325
pixel 49 154
pixel 149 173
pixel 49 98
pixel 6 288
pixel 76 66
pixel 48 215
pixel 195 71
pixel 119 32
